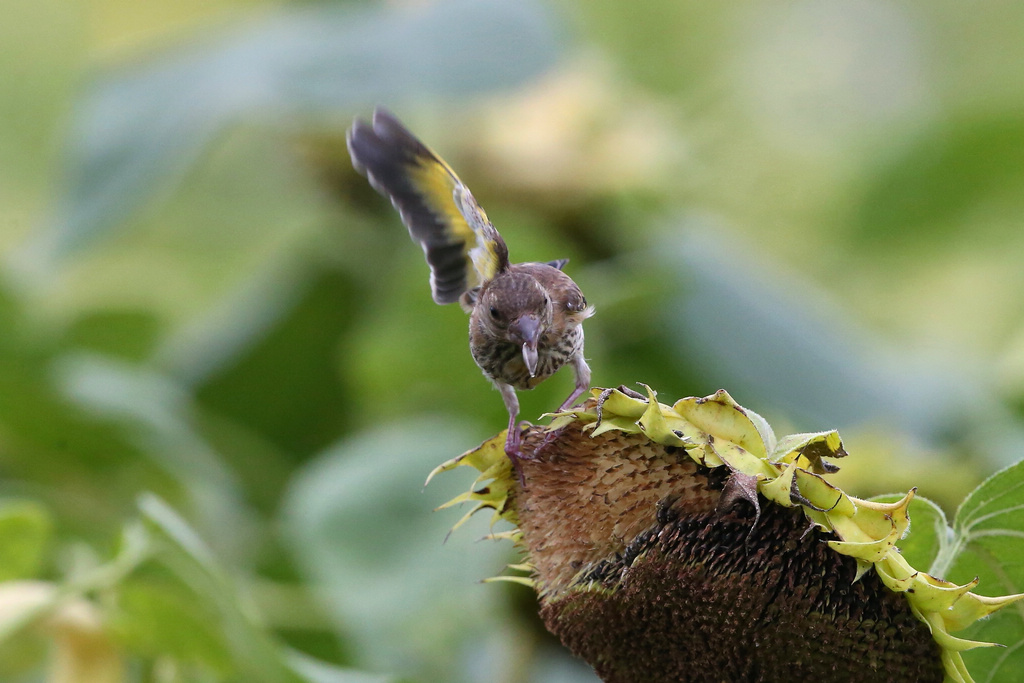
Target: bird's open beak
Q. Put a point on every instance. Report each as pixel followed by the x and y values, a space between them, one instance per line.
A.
pixel 528 329
pixel 530 357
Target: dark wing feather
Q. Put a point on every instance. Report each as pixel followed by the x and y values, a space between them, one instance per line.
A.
pixel 461 245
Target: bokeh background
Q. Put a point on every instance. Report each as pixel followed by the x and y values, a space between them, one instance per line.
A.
pixel 222 378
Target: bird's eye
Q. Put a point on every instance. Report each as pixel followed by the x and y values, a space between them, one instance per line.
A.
pixel 495 314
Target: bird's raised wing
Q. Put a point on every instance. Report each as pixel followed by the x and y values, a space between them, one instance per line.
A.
pixel 462 247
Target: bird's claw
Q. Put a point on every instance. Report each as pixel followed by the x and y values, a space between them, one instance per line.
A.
pixel 513 449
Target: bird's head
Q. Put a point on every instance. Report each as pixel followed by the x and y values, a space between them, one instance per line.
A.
pixel 514 307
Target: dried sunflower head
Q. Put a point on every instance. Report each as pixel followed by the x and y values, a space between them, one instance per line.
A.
pixel 687 543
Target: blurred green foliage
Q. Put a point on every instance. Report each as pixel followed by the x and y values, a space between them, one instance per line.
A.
pixel 221 375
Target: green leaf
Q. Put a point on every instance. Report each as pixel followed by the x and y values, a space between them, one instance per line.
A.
pixel 929 531
pixel 989 543
pixel 156 412
pixel 316 671
pixel 157 616
pixel 139 129
pixel 25 530
pixel 183 540
pixel 124 333
pixel 254 653
pixel 989 533
pixel 363 530
pixel 302 412
pixel 23 602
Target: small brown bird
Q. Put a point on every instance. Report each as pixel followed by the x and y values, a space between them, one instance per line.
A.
pixel 525 319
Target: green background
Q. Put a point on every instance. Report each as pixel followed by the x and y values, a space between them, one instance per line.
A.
pixel 815 205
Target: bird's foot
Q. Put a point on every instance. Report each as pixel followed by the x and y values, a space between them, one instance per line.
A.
pixel 569 402
pixel 549 438
pixel 514 451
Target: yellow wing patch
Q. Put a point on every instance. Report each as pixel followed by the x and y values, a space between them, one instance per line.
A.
pixel 447 196
pixel 462 247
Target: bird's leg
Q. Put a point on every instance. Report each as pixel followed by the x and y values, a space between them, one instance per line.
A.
pixel 513 440
pixel 579 365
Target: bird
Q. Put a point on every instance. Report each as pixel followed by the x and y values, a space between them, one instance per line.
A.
pixel 525 319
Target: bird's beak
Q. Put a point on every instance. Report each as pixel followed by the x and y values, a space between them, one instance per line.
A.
pixel 528 329
pixel 530 357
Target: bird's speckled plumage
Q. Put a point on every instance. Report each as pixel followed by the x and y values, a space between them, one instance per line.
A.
pixel 522 289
